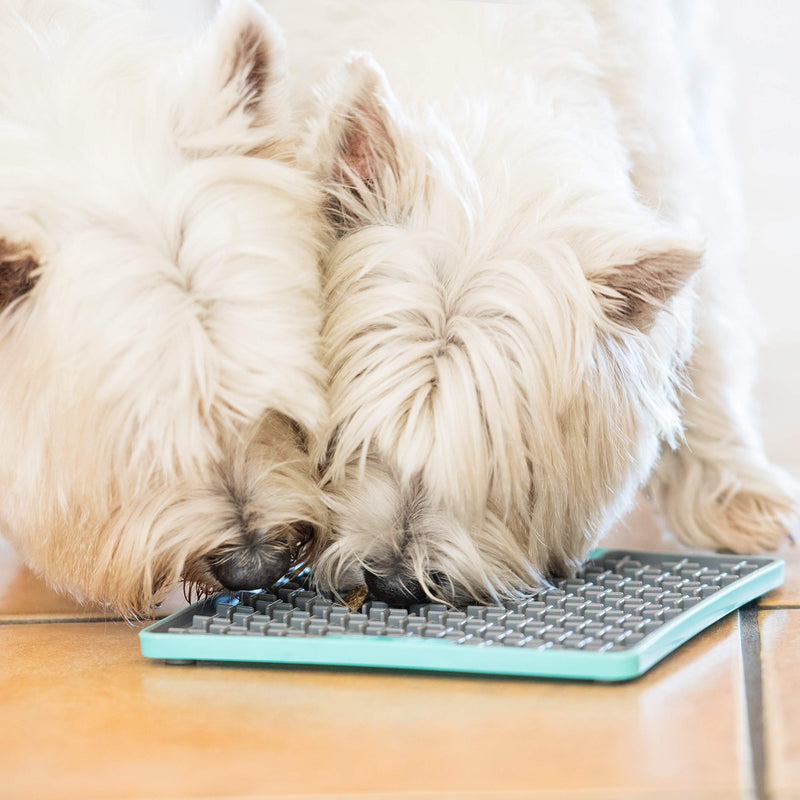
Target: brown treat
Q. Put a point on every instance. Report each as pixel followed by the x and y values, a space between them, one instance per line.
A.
pixel 355 598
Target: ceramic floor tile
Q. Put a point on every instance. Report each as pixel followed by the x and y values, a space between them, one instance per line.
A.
pixel 789 593
pixel 80 703
pixel 640 530
pixel 780 634
pixel 24 597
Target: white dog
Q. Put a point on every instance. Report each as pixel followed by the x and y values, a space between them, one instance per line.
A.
pixel 159 303
pixel 534 307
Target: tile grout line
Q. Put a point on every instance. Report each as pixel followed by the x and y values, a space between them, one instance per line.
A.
pixel 751 664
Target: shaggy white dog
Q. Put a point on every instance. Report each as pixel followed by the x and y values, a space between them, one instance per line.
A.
pixel 534 307
pixel 159 303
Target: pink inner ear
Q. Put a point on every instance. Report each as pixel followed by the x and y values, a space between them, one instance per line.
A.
pixel 251 67
pixel 17 268
pixel 642 288
pixel 366 139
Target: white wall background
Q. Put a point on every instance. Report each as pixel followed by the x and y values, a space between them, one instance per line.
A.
pixel 763 39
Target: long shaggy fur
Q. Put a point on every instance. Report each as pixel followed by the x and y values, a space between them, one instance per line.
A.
pixel 159 375
pixel 529 201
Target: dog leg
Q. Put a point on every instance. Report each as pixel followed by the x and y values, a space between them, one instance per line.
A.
pixel 718 490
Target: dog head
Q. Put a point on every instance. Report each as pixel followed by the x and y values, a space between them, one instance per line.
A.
pixel 159 306
pixel 503 347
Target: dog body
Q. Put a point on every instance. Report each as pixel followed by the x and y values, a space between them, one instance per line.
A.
pixel 533 301
pixel 159 303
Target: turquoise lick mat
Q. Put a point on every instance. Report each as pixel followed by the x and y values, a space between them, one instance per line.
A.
pixel 607 573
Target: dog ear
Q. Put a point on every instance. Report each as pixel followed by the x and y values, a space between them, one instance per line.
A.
pixel 18 271
pixel 361 136
pixel 235 91
pixel 355 146
pixel 20 264
pixel 638 285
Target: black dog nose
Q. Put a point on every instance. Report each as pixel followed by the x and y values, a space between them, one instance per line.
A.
pixel 249 568
pixel 395 590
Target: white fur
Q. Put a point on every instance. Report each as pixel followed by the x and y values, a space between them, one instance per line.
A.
pixel 153 381
pixel 515 338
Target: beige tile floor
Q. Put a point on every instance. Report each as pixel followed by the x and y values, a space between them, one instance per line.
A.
pixel 85 716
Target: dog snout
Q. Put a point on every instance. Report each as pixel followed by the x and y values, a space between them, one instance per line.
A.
pixel 249 567
pixel 400 590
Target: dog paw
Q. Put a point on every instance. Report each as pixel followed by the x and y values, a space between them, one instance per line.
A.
pixel 742 508
pixel 750 520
